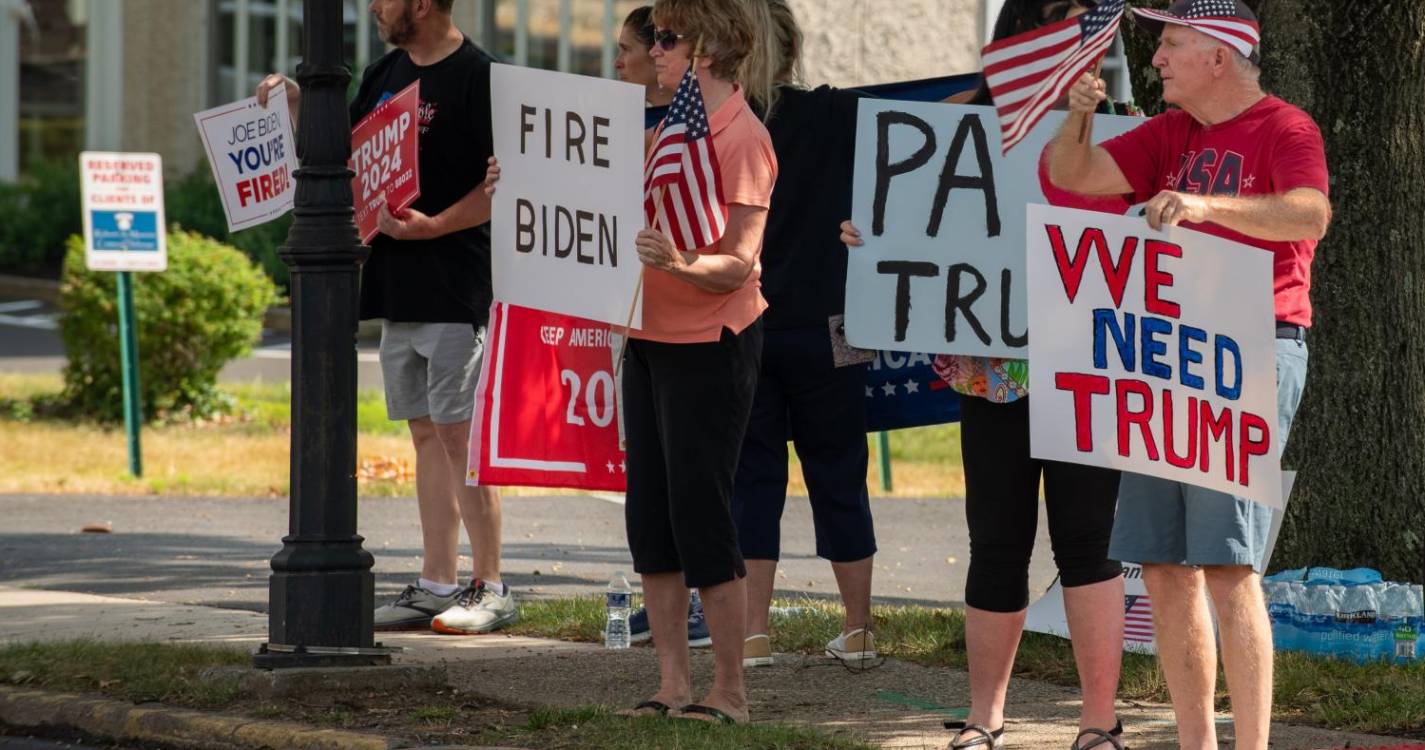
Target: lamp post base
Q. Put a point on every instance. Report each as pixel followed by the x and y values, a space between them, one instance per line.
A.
pixel 281 656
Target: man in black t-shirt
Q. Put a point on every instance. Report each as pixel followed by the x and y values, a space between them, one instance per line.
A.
pixel 428 280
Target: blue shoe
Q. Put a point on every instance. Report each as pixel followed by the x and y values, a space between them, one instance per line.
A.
pixel 638 630
pixel 698 636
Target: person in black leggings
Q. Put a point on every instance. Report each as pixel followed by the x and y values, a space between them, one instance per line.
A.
pixel 1002 484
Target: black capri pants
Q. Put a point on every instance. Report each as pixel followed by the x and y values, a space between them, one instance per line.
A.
pixel 804 396
pixel 685 411
pixel 1002 509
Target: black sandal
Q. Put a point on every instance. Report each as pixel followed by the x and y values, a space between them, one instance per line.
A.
pixel 659 707
pixel 990 739
pixel 1112 737
pixel 697 708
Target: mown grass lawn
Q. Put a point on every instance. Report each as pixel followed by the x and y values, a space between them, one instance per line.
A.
pixel 246 453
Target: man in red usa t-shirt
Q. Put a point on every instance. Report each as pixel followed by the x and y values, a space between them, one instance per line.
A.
pixel 1235 162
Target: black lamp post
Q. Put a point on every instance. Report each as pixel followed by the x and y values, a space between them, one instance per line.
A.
pixel 320 594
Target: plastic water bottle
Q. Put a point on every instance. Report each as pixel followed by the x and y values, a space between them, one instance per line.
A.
pixel 1316 621
pixel 1418 594
pixel 618 602
pixel 1281 607
pixel 1356 624
pixel 1399 626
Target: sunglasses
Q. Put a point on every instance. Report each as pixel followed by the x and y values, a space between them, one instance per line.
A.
pixel 667 38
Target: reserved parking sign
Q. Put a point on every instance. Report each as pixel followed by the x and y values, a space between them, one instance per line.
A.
pixel 122 198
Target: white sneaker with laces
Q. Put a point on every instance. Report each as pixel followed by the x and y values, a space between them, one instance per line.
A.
pixel 855 647
pixel 477 610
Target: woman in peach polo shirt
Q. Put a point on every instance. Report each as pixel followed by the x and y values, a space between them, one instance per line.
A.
pixel 690 373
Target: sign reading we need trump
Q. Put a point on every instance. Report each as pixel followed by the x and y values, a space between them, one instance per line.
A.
pixel 385 156
pixel 1154 352
pixel 253 155
pixel 546 404
pixel 938 205
pixel 570 200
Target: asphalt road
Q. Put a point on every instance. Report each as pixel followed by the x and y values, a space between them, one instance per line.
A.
pixel 215 551
pixel 30 343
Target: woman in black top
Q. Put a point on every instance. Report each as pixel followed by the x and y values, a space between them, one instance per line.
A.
pixel 804 393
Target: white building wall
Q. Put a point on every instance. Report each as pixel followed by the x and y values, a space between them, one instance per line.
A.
pixel 856 42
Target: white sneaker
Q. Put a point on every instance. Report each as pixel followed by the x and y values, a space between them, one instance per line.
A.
pixel 855 647
pixel 477 610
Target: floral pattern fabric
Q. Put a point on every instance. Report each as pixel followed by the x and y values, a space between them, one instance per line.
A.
pixel 995 379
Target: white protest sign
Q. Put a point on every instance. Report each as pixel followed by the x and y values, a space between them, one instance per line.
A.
pixel 570 199
pixel 942 269
pixel 1155 352
pixel 1046 615
pixel 253 155
pixel 121 196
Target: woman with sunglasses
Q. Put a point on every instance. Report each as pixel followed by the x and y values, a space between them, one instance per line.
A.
pixel 690 372
pixel 1002 486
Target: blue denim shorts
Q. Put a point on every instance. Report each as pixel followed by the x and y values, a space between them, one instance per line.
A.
pixel 1163 521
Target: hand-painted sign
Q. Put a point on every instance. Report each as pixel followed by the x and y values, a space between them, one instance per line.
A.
pixel 942 269
pixel 1155 352
pixel 570 201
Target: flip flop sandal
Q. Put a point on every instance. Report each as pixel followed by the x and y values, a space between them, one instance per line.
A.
pixel 659 707
pixel 698 709
pixel 989 739
pixel 1100 738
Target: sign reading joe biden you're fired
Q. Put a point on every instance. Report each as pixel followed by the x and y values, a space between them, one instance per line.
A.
pixel 570 199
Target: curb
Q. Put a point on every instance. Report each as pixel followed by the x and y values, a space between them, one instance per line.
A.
pixel 174 726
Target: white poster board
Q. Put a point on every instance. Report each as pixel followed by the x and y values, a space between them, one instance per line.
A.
pixel 939 208
pixel 121 196
pixel 254 156
pixel 1155 352
pixel 1046 615
pixel 570 199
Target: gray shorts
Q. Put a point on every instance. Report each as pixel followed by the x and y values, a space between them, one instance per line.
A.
pixel 430 370
pixel 1163 521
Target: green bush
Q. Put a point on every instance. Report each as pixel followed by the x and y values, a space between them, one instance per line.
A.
pixel 37 214
pixel 204 311
pixel 194 203
pixel 42 210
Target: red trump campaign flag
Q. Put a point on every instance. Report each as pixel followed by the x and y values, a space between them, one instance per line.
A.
pixel 545 409
pixel 386 159
pixel 682 187
pixel 1029 73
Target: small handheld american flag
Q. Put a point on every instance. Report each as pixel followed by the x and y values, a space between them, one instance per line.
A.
pixel 682 184
pixel 1028 73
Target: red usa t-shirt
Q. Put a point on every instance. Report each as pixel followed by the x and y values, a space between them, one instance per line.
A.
pixel 1272 147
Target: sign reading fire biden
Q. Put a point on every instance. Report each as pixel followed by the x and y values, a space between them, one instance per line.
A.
pixel 1153 352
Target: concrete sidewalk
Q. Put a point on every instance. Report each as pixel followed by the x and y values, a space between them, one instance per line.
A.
pixel 897 705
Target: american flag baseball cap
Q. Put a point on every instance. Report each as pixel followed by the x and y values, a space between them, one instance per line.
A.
pixel 1228 21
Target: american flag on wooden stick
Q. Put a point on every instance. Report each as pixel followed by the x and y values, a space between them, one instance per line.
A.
pixel 1138 619
pixel 682 185
pixel 1028 73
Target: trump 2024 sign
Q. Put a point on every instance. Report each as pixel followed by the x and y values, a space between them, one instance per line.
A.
pixel 1152 352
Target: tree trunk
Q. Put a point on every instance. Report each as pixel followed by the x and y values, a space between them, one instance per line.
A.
pixel 1359 439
